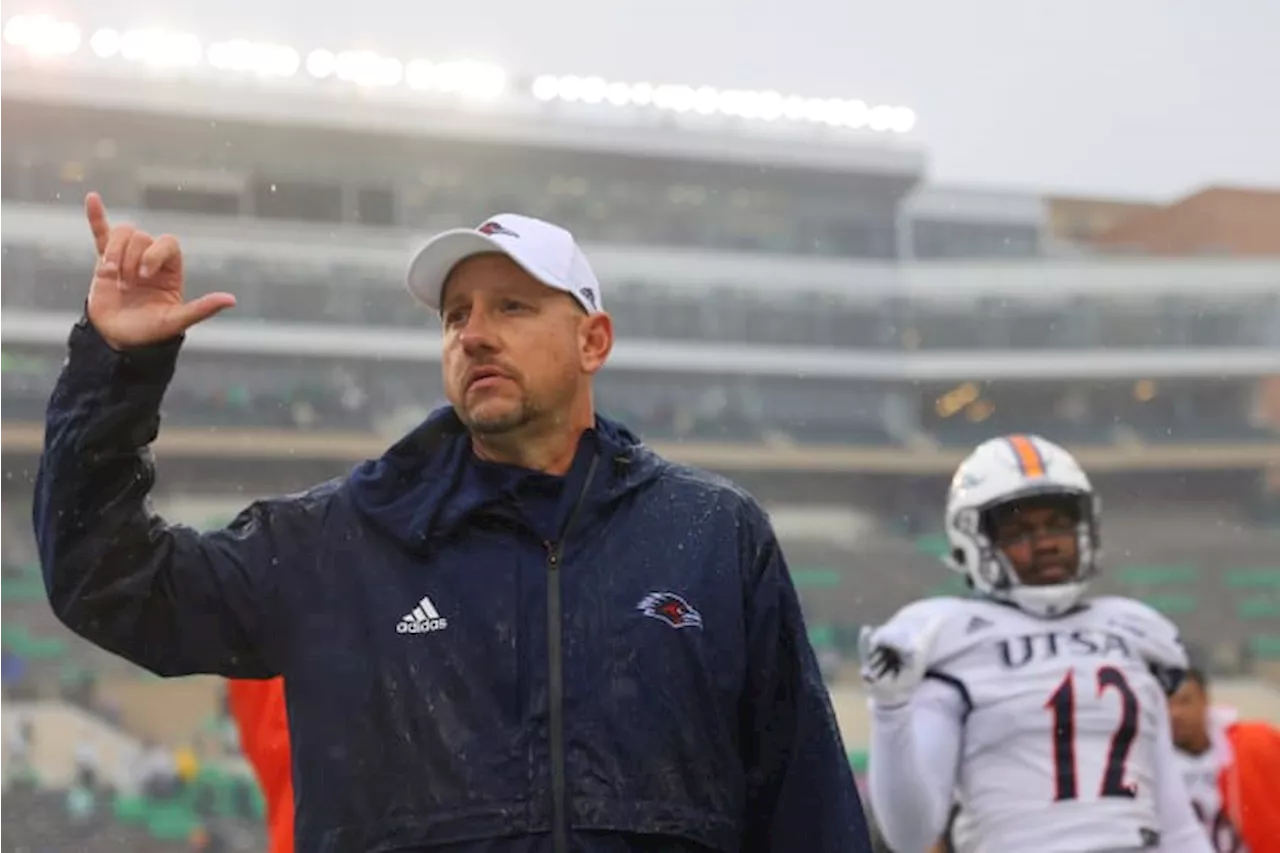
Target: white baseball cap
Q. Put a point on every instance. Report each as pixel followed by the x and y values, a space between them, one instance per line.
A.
pixel 545 251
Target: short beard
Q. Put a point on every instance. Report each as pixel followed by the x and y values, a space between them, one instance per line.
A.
pixel 500 424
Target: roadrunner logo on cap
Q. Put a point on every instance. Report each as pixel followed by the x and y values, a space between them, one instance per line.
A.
pixel 492 229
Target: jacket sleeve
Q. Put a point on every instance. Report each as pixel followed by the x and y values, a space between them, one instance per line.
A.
pixel 162 596
pixel 800 787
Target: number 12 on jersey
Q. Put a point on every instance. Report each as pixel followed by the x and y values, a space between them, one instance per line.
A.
pixel 1062 705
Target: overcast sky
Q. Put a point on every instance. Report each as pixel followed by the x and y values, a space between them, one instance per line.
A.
pixel 1145 98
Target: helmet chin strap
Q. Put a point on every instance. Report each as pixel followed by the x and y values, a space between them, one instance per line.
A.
pixel 1044 600
pixel 1049 600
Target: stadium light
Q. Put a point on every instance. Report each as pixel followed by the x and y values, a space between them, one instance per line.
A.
pixel 321 63
pixel 618 94
pixel 368 68
pixel 262 59
pixel 467 79
pixel 769 106
pixel 42 35
pixel 161 48
pixel 105 43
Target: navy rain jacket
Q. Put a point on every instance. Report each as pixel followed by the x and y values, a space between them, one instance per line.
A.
pixel 455 681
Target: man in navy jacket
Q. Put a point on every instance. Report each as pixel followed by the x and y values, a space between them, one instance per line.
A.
pixel 519 630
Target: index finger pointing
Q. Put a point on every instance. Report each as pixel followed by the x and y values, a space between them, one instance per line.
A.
pixel 96 212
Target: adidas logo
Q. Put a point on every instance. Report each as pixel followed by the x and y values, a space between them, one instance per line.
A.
pixel 976 624
pixel 423 619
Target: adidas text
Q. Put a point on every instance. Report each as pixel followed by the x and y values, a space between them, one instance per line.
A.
pixel 421 626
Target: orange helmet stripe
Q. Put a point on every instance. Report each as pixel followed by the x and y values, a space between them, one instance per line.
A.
pixel 1027 454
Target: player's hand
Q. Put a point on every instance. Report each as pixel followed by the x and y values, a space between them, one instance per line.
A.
pixel 894 659
pixel 136 295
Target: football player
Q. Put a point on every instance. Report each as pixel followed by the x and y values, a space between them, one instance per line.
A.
pixel 1231 769
pixel 1039 712
pixel 1200 734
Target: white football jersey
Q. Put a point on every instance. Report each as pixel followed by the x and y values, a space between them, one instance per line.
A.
pixel 1201 773
pixel 1059 746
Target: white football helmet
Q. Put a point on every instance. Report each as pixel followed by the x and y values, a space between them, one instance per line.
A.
pixel 1006 469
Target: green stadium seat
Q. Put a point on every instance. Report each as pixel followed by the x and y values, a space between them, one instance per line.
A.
pixel 22 591
pixel 807 578
pixel 933 544
pixel 130 809
pixel 1157 575
pixel 1253 577
pixel 171 822
pixel 46 648
pixel 21 642
pixel 257 802
pixel 858 759
pixel 955 584
pixel 823 636
pixel 1265 607
pixel 1265 646
pixel 1172 604
pixel 226 802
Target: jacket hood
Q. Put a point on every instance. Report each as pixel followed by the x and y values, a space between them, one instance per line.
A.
pixel 414 492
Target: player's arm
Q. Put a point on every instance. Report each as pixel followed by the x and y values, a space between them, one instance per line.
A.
pixel 800 787
pixel 165 597
pixel 915 757
pixel 1180 831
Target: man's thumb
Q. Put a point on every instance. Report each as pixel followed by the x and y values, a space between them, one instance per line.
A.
pixel 201 309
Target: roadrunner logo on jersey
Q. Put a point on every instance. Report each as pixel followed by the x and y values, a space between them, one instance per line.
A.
pixel 670 608
pixel 423 619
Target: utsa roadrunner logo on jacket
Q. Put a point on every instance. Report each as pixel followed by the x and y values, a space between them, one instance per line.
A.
pixel 670 608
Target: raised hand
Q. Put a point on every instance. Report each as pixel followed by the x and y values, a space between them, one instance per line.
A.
pixel 136 298
pixel 894 659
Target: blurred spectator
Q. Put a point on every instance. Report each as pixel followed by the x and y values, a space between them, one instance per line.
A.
pixel 157 772
pixel 21 743
pixel 88 768
pixel 186 764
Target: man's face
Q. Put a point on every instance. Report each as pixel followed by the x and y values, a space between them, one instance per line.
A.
pixel 1040 539
pixel 1188 709
pixel 515 351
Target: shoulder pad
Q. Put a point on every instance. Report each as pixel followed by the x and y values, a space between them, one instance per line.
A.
pixel 950 615
pixel 1155 636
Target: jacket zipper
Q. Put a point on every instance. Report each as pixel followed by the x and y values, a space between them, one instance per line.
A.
pixel 555 678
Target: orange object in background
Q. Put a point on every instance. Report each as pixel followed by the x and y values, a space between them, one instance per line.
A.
pixel 1250 784
pixel 259 711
